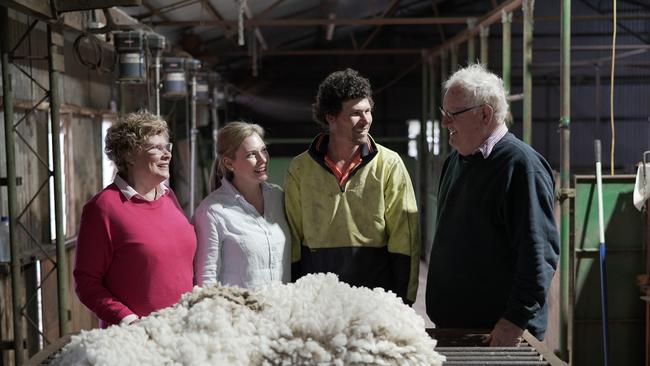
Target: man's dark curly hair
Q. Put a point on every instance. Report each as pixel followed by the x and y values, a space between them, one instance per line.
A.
pixel 339 87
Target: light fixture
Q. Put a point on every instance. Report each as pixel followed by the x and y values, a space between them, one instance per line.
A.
pixel 131 57
pixel 174 85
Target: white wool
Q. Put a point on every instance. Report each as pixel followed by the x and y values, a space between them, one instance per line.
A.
pixel 315 321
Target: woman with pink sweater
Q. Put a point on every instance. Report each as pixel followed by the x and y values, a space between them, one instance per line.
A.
pixel 135 246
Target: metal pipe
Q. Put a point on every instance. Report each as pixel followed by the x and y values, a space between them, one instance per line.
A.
pixel 312 22
pixel 31 311
pixel 404 51
pixel 193 133
pixel 444 73
pixel 430 190
pixel 485 43
pixel 7 98
pixel 471 47
pixel 506 21
pixel 454 58
pixel 157 81
pixel 566 268
pixel 215 120
pixel 647 271
pixel 423 155
pixel 528 7
pixel 602 248
pixel 433 99
pixel 597 107
pixel 257 21
pixel 56 64
pixel 121 108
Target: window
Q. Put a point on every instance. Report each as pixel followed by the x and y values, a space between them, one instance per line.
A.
pixel 108 169
pixel 433 137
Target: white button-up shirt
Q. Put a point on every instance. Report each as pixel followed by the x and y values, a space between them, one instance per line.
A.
pixel 238 246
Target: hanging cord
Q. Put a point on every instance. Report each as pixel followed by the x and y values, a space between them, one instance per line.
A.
pixel 611 93
pixel 240 22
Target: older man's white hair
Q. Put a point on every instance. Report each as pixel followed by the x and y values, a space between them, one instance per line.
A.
pixel 481 87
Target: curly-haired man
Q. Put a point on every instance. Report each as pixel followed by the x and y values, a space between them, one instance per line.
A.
pixel 349 201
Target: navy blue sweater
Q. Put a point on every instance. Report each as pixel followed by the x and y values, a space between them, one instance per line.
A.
pixel 496 244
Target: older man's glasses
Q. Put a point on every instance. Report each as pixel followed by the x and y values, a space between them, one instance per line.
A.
pixel 160 148
pixel 451 115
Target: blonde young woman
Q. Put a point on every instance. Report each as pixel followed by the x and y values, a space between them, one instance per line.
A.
pixel 242 234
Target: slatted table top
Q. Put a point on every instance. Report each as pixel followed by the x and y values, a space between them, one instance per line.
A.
pixel 467 347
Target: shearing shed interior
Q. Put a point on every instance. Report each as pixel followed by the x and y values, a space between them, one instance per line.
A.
pixel 576 75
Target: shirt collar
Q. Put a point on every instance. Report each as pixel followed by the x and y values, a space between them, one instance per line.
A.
pixel 486 147
pixel 129 192
pixel 321 141
pixel 230 188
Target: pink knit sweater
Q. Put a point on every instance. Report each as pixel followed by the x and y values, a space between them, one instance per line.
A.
pixel 133 257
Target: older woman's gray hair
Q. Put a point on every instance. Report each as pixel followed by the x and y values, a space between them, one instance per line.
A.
pixel 130 134
pixel 481 87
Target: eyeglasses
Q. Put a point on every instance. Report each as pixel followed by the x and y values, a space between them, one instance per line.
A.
pixel 161 148
pixel 451 115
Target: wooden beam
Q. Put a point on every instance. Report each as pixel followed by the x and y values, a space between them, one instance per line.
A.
pixel 587 18
pixel 353 39
pixel 171 7
pixel 345 52
pixel 593 47
pixel 154 11
pixel 38 8
pixel 227 30
pixel 329 30
pixel 81 5
pixel 326 52
pixel 256 22
pixel 489 19
pixel 390 10
pixel 75 20
pixel 26 104
pixel 436 13
pixel 258 33
pixel 269 8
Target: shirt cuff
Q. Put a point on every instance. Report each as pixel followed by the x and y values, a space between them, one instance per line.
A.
pixel 129 319
pixel 517 318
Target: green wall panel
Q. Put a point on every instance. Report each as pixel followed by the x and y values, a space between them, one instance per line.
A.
pixel 624 261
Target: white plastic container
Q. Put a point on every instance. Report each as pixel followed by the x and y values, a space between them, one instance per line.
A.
pixel 4 240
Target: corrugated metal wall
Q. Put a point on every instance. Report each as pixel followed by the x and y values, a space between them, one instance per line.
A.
pixel 632 124
pixel 631 87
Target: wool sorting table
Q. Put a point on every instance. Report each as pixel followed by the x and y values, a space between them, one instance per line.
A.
pixel 465 347
pixel 460 346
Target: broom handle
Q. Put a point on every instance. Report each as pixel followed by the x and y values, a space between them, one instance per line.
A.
pixel 602 251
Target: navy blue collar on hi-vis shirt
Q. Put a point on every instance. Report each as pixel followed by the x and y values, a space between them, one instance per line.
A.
pixel 318 151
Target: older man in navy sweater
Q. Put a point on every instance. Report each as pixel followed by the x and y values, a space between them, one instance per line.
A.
pixel 496 244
